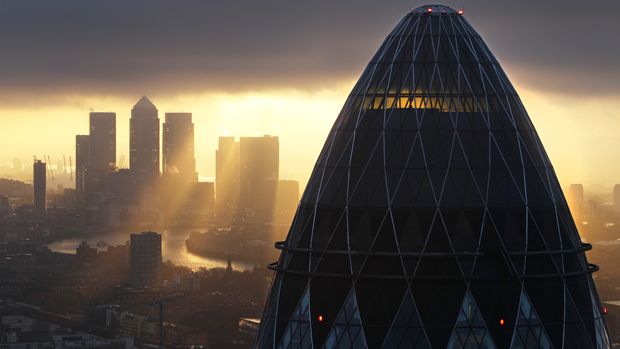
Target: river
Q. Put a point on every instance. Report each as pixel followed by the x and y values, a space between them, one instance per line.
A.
pixel 173 248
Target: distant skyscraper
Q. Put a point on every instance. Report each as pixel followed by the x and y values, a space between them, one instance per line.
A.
pixel 575 198
pixel 145 259
pixel 4 203
pixel 144 140
pixel 287 198
pixel 102 153
pixel 433 217
pixel 227 176
pixel 201 199
pixel 259 172
pixel 102 150
pixel 616 196
pixel 39 185
pixel 82 149
pixel 178 146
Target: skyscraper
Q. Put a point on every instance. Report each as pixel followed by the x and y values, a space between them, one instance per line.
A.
pixel 178 146
pixel 616 196
pixel 145 259
pixel 287 198
pixel 144 140
pixel 575 199
pixel 102 150
pixel 227 176
pixel 82 149
pixel 39 173
pixel 259 159
pixel 433 217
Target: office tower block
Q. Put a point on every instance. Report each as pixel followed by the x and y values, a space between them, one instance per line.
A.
pixel 178 146
pixel 201 199
pixel 575 198
pixel 259 159
pixel 433 217
pixel 5 204
pixel 102 153
pixel 616 196
pixel 39 177
pixel 145 259
pixel 287 198
pixel 82 149
pixel 102 150
pixel 144 140
pixel 227 176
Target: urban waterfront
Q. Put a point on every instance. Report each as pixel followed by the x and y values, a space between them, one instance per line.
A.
pixel 173 248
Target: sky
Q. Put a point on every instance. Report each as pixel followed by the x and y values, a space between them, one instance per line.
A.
pixel 285 68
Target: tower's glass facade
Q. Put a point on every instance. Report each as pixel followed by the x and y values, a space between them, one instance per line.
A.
pixel 433 217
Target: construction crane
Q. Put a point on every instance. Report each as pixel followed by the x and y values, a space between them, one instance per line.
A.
pixel 64 162
pixel 49 165
pixel 161 302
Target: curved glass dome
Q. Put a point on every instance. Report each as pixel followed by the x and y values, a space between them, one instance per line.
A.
pixel 433 217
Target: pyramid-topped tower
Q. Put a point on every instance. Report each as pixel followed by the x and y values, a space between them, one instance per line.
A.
pixel 433 217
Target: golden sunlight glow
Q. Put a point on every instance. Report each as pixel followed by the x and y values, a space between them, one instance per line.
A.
pixel 580 135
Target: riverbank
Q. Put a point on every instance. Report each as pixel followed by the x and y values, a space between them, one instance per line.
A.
pixel 217 244
pixel 173 248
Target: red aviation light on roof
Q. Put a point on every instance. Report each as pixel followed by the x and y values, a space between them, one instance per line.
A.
pixel 429 10
pixel 604 310
pixel 320 318
pixel 502 322
pixel 460 12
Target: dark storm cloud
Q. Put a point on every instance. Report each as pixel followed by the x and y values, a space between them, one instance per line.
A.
pixel 156 46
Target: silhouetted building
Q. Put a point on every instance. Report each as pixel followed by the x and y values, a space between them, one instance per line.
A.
pixel 82 149
pixel 178 146
pixel 102 150
pixel 286 199
pixel 123 200
pixel 144 140
pixel 202 199
pixel 39 185
pixel 121 185
pixel 259 159
pixel 229 268
pixel 145 259
pixel 4 203
pixel 616 196
pixel 227 176
pixel 575 197
pixel 433 217
pixel 85 253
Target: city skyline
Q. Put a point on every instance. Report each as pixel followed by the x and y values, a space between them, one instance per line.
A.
pixel 326 174
pixel 281 99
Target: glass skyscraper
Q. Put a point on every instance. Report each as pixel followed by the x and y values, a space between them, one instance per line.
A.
pixel 144 140
pixel 433 217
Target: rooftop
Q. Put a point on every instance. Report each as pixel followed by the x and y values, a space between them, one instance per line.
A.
pixel 436 10
pixel 144 103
